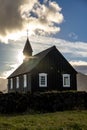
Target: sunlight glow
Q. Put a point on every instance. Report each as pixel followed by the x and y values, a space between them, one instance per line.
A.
pixel 20 57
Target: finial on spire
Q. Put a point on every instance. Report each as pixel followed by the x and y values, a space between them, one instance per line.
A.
pixel 28 29
pixel 27 33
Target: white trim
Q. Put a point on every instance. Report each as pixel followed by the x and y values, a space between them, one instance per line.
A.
pixel 17 82
pixel 25 80
pixel 11 83
pixel 66 82
pixel 42 80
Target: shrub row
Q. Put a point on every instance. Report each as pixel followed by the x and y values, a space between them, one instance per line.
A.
pixel 42 102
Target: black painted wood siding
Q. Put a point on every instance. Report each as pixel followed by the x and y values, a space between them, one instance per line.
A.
pixel 55 65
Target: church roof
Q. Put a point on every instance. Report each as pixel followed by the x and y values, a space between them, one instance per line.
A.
pixel 29 65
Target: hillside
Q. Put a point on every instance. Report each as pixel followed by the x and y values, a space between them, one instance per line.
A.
pixel 67 120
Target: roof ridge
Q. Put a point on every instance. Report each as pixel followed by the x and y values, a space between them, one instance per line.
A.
pixel 46 50
pixel 24 67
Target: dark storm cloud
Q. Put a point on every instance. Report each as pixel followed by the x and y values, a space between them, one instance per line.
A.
pixel 10 16
pixel 15 15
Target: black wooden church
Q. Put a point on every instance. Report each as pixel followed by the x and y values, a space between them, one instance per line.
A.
pixel 45 71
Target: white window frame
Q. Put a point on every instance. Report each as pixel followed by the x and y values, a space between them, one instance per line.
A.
pixel 17 82
pixel 40 80
pixel 11 83
pixel 25 80
pixel 68 80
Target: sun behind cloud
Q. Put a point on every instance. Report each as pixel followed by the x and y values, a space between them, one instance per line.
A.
pixel 20 57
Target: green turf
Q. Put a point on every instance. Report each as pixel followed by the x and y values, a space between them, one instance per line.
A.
pixel 68 120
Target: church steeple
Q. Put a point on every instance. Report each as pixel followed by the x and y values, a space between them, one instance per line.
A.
pixel 27 52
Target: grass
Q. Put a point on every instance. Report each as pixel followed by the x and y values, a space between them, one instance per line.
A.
pixel 68 120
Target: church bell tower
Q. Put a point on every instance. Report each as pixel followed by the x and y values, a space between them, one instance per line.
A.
pixel 27 51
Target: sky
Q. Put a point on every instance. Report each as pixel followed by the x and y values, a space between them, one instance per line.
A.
pixel 62 23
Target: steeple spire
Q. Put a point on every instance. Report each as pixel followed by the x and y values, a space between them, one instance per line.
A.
pixel 27 48
pixel 27 51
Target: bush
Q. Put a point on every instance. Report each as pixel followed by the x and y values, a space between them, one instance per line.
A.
pixel 42 102
pixel 21 104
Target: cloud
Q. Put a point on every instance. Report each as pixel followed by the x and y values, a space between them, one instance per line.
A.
pixel 73 35
pixel 9 54
pixel 74 52
pixel 44 20
pixel 81 69
pixel 10 15
pixel 80 66
pixel 78 63
pixel 9 68
pixel 46 12
pixel 15 15
pixel 75 49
